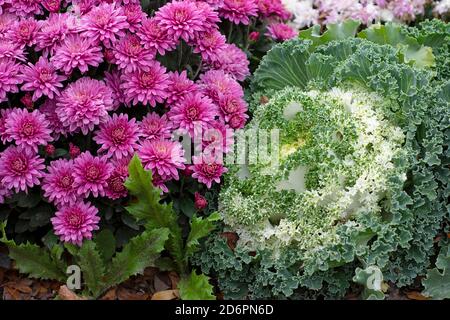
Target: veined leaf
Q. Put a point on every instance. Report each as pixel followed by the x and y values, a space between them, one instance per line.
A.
pixel 141 252
pixel 372 280
pixel 437 282
pixel 93 268
pixel 106 244
pixel 200 228
pixel 196 287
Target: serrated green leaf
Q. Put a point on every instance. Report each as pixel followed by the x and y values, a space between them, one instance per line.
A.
pixel 92 267
pixel 200 228
pixel 106 244
pixel 141 252
pixel 196 287
pixel 437 282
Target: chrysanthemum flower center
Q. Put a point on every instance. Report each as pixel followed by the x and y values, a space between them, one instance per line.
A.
pixel 75 219
pixel 192 112
pixel 119 134
pixel 161 149
pixel 28 128
pixel 24 30
pixel 147 79
pixel 134 46
pixel 231 106
pixel 19 165
pixel 45 74
pixel 116 184
pixel 210 169
pixel 181 15
pixel 66 181
pixel 101 18
pixel 92 173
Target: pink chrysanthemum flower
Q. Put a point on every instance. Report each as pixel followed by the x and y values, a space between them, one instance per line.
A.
pixel 148 87
pixel 4 193
pixel 25 7
pixel 112 80
pixel 134 15
pixel 155 127
pixel 104 23
pixel 6 20
pixel 280 32
pixel 154 37
pixel 75 222
pixel 42 79
pixel 216 83
pixel 273 8
pixel 193 114
pixel 77 52
pixel 24 32
pixel 217 139
pixel 115 187
pixel 131 56
pixel 239 11
pixel 59 183
pixel 179 86
pixel 159 182
pixel 20 169
pixel 230 105
pixel 207 171
pixel 52 6
pixel 91 174
pixel 4 136
pixel 118 136
pixel 164 157
pixel 53 32
pixel 81 7
pixel 48 108
pixel 209 43
pixel 9 49
pixel 238 120
pixel 28 130
pixel 84 104
pixel 9 78
pixel 181 19
pixel 231 60
pixel 209 15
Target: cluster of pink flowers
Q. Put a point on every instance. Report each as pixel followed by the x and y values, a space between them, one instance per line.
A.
pixel 78 68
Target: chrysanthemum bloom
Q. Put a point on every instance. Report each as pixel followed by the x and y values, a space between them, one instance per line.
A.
pixel 164 157
pixel 25 7
pixel 231 60
pixel 238 120
pixel 4 136
pixel 216 83
pixel 48 108
pixel 181 19
pixel 74 151
pixel 84 104
pixel 50 150
pixel 104 23
pixel 9 78
pixel 6 20
pixel 115 187
pixel 230 105
pixel 112 80
pixel 53 32
pixel 209 15
pixel 253 36
pixel 239 11
pixel 42 79
pixel 20 169
pixel 59 183
pixel 81 7
pixel 200 202
pixel 28 130
pixel 148 87
pixel 207 171
pixel 134 15
pixel 77 52
pixel 52 6
pixel 11 50
pixel 24 32
pixel 209 43
pixel 217 139
pixel 179 86
pixel 280 31
pixel 118 137
pixel 154 37
pixel 91 174
pixel 155 127
pixel 160 182
pixel 131 55
pixel 193 114
pixel 27 101
pixel 273 8
pixel 75 222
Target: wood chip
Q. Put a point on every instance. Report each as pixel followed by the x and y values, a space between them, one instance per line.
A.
pixel 166 295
